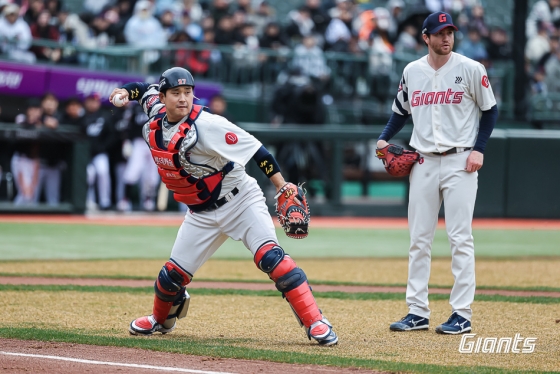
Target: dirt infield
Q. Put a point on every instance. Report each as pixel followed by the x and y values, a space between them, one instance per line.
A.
pixel 107 359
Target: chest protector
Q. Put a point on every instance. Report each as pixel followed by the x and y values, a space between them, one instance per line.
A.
pixel 198 193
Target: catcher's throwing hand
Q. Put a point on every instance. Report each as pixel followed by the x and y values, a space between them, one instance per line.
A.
pixel 121 92
pixel 474 161
pixel 397 161
pixel 292 211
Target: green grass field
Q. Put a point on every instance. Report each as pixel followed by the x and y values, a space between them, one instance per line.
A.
pixel 77 241
pixel 220 322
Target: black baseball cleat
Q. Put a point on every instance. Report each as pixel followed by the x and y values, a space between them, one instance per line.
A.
pixel 410 322
pixel 454 325
pixel 147 326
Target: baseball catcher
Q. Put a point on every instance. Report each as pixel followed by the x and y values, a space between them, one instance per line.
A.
pixel 398 161
pixel 201 158
pixel 292 211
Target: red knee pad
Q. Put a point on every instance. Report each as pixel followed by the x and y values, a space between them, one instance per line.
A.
pixel 271 259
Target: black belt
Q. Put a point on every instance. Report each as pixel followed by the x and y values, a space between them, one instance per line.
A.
pixel 450 151
pixel 223 200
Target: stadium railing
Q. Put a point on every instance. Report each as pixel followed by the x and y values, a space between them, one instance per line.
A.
pixel 352 76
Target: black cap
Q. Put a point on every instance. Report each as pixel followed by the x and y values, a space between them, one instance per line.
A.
pixel 436 22
pixel 33 103
pixel 175 77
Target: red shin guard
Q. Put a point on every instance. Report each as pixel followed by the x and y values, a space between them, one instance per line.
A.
pixel 169 284
pixel 300 297
pixel 303 303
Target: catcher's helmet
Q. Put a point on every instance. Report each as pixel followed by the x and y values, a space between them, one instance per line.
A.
pixel 175 77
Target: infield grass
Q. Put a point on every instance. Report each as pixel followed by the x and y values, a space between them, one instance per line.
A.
pixel 77 241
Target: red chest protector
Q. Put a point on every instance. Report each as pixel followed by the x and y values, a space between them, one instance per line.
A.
pixel 197 193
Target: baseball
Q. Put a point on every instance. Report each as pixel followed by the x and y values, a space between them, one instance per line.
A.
pixel 118 101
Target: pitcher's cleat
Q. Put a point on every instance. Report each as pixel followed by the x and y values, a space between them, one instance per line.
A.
pixel 322 332
pixel 454 325
pixel 410 322
pixel 147 326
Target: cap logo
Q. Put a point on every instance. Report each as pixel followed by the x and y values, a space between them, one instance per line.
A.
pixel 161 83
pixel 182 81
pixel 442 18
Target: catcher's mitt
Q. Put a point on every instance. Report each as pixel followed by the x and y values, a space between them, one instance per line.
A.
pixel 398 161
pixel 292 211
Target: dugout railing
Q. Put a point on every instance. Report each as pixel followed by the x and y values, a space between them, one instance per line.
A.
pixel 512 183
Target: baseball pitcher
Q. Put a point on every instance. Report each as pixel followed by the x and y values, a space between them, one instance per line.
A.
pixel 454 112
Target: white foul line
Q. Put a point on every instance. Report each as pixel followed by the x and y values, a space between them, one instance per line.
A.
pixel 92 362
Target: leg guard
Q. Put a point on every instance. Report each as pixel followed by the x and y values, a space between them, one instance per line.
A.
pixel 290 280
pixel 171 299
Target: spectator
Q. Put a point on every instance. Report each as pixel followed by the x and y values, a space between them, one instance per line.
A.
pixel 298 100
pixel 552 72
pixel 473 47
pixel 273 38
pixel 95 6
pixel 218 105
pixel 49 105
pixel 396 8
pixel 224 31
pixel 99 131
pixel 341 7
pixel 51 154
pixel 25 160
pixel 144 30
pixel 73 113
pixel 545 12
pixel 339 31
pixel 140 167
pixel 380 55
pixel 33 10
pixel 476 21
pixel 15 35
pixel 167 20
pixel 300 24
pixel 219 9
pixel 191 28
pixel 195 11
pixel 538 45
pixel 263 15
pixel 318 15
pixel 499 48
pixel 310 60
pixel 407 41
pixel 43 29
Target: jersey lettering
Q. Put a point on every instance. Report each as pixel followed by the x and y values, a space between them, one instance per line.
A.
pixel 437 97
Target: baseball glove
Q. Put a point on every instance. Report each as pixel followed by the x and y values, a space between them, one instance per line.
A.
pixel 292 211
pixel 398 161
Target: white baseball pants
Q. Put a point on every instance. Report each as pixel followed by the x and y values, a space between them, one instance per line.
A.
pixel 440 178
pixel 244 218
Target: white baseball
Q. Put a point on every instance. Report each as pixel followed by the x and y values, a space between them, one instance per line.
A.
pixel 118 101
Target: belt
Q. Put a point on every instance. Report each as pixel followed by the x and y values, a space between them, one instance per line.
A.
pixel 222 201
pixel 452 151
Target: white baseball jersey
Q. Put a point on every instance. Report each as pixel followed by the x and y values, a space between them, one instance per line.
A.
pixel 445 104
pixel 219 141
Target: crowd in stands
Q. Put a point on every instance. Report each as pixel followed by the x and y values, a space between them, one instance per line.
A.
pixel 251 27
pixel 542 50
pixel 301 41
